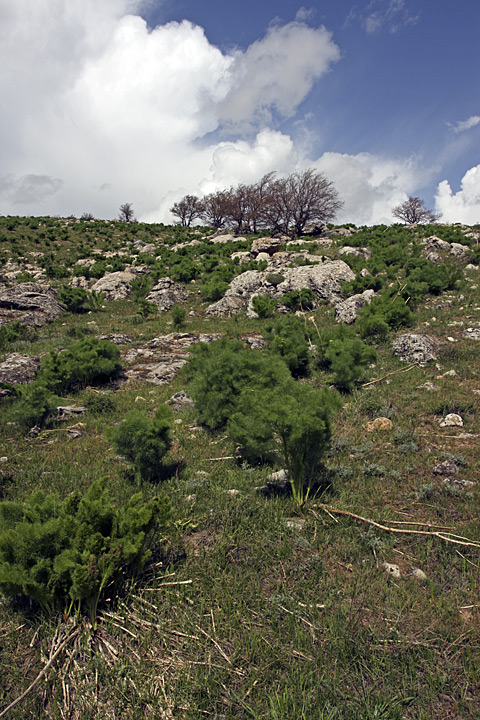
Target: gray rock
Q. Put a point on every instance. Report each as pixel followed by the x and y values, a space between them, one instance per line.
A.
pixel 417 348
pixel 418 574
pixel 392 569
pixel 323 279
pixel 179 400
pixel 434 257
pixel 458 250
pixel 167 293
pixel 347 310
pixel 447 467
pixel 451 420
pixel 67 412
pixel 31 303
pixel 115 286
pixel 116 338
pixel 436 243
pixel 19 368
pixel 266 245
pixel 472 333
pixel 357 251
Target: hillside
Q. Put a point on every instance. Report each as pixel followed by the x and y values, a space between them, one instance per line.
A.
pixel 353 598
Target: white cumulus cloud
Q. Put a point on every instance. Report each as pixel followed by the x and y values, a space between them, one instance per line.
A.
pixel 464 205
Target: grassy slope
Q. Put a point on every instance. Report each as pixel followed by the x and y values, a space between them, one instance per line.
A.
pixel 244 615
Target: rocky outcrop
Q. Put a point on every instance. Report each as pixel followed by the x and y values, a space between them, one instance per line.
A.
pixel 115 286
pixel 159 360
pixel 266 245
pixel 31 303
pixel 323 279
pixel 415 348
pixel 19 368
pixel 357 251
pixel 347 310
pixel 166 293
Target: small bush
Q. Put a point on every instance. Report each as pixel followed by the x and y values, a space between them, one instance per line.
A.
pixel 299 299
pixel 144 441
pixel 275 279
pixel 213 290
pixel 100 404
pixel 34 405
pixel 85 362
pixel 345 355
pixel 9 333
pixel 220 371
pixel 290 420
pixel 62 554
pixel 78 300
pixel 288 338
pixel 178 316
pixel 264 306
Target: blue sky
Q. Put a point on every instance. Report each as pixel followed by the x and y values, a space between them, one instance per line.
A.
pixel 144 101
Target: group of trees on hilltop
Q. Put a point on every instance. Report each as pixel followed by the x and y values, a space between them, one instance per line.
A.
pixel 284 205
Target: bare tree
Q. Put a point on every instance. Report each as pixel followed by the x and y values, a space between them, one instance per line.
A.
pixel 126 213
pixel 413 211
pixel 299 199
pixel 216 208
pixel 188 209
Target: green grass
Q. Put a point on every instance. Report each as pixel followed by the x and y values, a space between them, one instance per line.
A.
pixel 253 608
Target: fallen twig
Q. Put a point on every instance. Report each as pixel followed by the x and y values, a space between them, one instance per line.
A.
pixel 394 372
pixel 446 536
pixel 40 674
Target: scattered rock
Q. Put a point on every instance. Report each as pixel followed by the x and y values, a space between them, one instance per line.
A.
pixel 472 333
pixel 266 245
pixel 233 492
pixel 435 242
pixel 452 420
pixel 418 574
pixel 295 524
pixel 19 368
pixel 115 286
pixel 428 386
pixel 179 400
pixel 458 483
pixel 457 250
pixel 447 467
pixel 380 423
pixel 116 338
pixel 30 303
pixel 357 251
pixel 417 348
pixel 392 569
pixel 279 476
pixel 167 293
pixel 66 412
pixel 347 311
pixel 323 279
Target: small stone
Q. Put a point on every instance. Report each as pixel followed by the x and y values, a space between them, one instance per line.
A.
pixel 139 397
pixel 3 459
pixel 428 386
pixel 233 492
pixel 452 420
pixel 191 498
pixel 392 569
pixel 451 339
pixel 280 476
pixel 295 524
pixel 418 574
pixel 380 423
pixel 447 467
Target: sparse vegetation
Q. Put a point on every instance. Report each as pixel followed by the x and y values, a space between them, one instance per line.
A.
pixel 265 596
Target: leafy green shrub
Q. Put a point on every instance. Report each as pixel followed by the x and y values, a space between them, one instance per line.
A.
pixel 146 308
pixel 299 299
pixel 289 419
pixel 178 316
pixel 373 328
pixel 100 404
pixel 85 362
pixel 264 306
pixel 9 333
pixel 62 554
pixel 78 300
pixel 342 352
pixel 213 290
pixel 220 371
pixel 288 338
pixel 144 441
pixel 34 405
pixel 275 279
pixel 184 271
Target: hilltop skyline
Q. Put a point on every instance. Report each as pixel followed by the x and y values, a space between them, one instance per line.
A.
pixel 144 101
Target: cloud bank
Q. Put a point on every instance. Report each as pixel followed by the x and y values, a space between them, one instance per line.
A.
pixel 463 206
pixel 98 109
